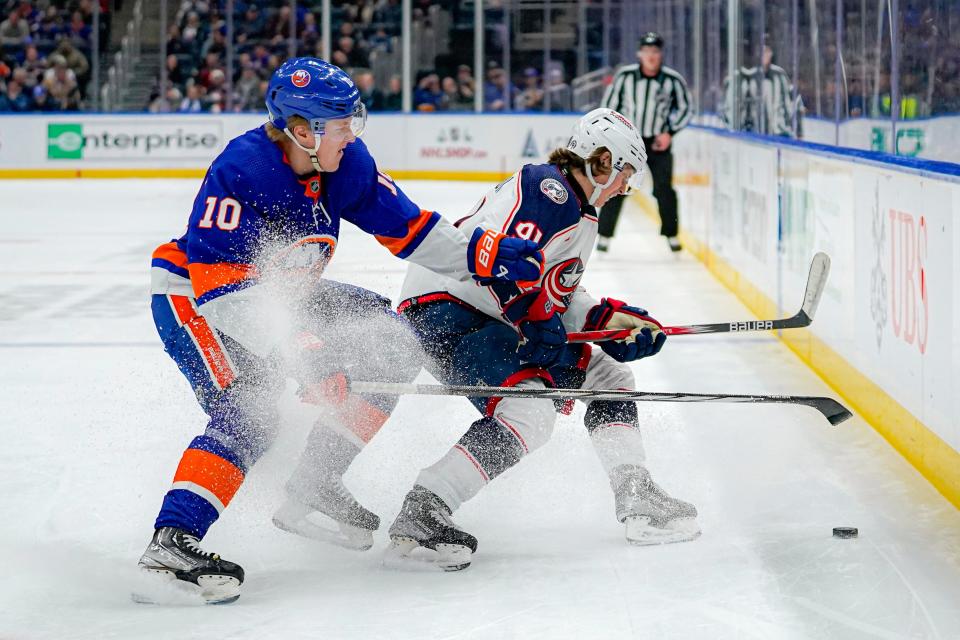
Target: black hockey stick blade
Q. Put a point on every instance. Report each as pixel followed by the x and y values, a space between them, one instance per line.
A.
pixel 832 410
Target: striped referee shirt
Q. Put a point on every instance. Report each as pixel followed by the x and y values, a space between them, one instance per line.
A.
pixel 658 104
pixel 765 101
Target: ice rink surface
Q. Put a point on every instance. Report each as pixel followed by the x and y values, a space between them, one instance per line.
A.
pixel 94 417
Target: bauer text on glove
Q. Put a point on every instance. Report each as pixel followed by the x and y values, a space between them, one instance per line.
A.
pixel 492 255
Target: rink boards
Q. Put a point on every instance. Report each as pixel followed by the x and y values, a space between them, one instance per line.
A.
pixel 756 210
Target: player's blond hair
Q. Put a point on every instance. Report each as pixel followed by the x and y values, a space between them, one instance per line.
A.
pixel 278 136
pixel 566 159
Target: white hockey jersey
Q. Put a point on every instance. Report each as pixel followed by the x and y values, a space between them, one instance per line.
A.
pixel 538 203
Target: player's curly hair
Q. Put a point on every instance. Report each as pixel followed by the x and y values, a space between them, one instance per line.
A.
pixel 277 135
pixel 568 160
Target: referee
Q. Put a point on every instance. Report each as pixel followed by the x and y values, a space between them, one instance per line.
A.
pixel 656 99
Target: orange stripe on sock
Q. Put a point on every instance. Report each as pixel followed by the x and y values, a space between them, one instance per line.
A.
pixel 362 418
pixel 208 470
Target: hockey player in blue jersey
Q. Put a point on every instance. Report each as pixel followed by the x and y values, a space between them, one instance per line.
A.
pixel 239 305
pixel 508 334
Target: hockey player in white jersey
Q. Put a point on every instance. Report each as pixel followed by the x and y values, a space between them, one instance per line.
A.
pixel 514 334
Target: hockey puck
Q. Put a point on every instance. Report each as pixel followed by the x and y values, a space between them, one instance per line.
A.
pixel 845 532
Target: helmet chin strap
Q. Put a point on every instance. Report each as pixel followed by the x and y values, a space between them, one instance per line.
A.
pixel 310 152
pixel 598 188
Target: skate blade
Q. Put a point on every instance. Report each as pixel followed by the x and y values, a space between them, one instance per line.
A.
pixel 407 555
pixel 346 536
pixel 161 587
pixel 640 532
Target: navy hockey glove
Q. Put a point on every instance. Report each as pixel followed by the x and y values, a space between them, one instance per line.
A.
pixel 646 338
pixel 493 256
pixel 541 328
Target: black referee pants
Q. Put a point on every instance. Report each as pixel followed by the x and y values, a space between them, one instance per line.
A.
pixel 661 170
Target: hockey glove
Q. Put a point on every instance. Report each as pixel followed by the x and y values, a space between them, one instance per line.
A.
pixel 646 338
pixel 541 328
pixel 493 256
pixel 310 361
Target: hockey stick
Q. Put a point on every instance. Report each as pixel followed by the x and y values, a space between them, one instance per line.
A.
pixel 832 410
pixel 816 280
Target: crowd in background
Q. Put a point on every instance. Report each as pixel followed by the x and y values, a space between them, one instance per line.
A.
pixel 45 50
pixel 197 73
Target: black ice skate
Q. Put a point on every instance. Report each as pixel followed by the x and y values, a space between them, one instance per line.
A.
pixel 174 558
pixel 424 523
pixel 650 514
pixel 331 515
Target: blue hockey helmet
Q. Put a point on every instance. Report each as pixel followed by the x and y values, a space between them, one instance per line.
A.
pixel 316 91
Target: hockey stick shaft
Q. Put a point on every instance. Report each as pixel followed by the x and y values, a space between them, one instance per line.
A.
pixel 816 281
pixel 797 321
pixel 832 410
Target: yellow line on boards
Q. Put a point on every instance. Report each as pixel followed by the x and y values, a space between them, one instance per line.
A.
pixel 936 460
pixel 170 172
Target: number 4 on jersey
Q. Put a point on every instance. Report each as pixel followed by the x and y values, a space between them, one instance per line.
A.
pixel 228 214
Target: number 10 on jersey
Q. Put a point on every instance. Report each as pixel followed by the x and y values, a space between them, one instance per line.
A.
pixel 227 214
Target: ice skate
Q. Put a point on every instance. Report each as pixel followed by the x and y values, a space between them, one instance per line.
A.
pixel 331 515
pixel 174 563
pixel 424 534
pixel 649 514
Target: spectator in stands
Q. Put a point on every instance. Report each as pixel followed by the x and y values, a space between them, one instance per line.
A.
pixel 75 59
pixel 15 100
pixel 41 99
pixel 531 97
pixel 61 84
pixel 371 97
pixel 175 43
pixel 165 104
pixel 49 27
pixel 356 56
pixel 309 31
pixel 78 30
pixel 248 91
pixel 379 41
pixel 191 102
pixel 498 92
pixel 193 33
pixel 253 22
pixel 210 64
pixel 34 65
pixel 339 58
pixel 561 95
pixel 428 96
pixel 453 99
pixel 215 43
pixel 14 31
pixel 393 101
pixel 175 72
pixel 278 28
pixel 466 83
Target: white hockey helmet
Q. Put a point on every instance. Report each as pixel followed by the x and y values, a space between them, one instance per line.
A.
pixel 606 128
